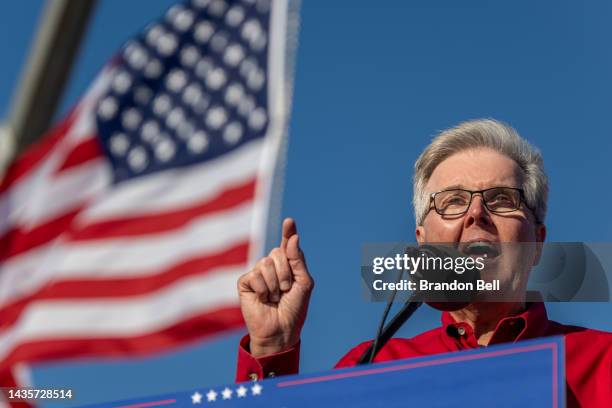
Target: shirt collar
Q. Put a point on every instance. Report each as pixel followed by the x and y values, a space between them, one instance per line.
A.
pixel 531 323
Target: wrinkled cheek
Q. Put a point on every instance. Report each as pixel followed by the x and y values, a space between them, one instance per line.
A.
pixel 522 232
pixel 444 232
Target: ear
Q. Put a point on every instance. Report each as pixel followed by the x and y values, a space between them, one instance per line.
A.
pixel 540 235
pixel 420 234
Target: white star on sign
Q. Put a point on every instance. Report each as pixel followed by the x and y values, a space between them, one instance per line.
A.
pixel 227 393
pixel 211 396
pixel 196 398
pixel 241 391
pixel 256 389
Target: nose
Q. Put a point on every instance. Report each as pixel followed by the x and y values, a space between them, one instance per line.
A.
pixel 477 213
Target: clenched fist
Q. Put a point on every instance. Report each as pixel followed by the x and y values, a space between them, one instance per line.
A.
pixel 274 295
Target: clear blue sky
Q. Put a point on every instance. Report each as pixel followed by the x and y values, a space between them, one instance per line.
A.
pixel 375 81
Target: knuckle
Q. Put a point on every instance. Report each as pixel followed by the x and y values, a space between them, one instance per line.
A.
pixel 263 263
pixel 309 284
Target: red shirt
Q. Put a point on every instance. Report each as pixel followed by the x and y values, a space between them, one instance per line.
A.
pixel 588 353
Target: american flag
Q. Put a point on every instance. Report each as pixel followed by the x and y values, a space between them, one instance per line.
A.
pixel 124 231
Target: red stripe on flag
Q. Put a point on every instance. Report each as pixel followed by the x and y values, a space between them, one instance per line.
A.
pixel 198 327
pixel 86 151
pixel 116 287
pixel 161 222
pixel 18 240
pixel 35 154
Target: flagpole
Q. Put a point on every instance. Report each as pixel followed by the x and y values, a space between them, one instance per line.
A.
pixel 45 74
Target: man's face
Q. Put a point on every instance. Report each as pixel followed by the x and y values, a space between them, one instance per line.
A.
pixel 479 169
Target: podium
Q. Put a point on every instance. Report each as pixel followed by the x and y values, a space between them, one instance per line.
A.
pixel 525 374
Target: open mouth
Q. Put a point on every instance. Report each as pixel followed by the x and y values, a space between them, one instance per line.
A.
pixel 483 249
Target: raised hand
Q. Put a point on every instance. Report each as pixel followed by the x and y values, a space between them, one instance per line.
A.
pixel 274 295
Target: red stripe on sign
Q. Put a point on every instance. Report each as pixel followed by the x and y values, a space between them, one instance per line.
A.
pixel 84 152
pixel 198 327
pixel 20 240
pixel 118 288
pixel 149 404
pixel 36 153
pixel 161 222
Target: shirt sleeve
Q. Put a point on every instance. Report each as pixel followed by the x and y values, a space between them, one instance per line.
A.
pixel 251 368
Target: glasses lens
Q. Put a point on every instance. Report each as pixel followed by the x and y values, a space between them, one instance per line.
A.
pixel 502 199
pixel 452 202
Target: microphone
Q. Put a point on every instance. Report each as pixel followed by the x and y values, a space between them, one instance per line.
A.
pixel 448 301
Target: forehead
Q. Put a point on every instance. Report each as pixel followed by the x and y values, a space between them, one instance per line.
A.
pixel 476 169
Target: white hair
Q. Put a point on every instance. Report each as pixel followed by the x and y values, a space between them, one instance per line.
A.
pixel 487 133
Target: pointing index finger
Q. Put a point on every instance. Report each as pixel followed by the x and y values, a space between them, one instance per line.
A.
pixel 289 229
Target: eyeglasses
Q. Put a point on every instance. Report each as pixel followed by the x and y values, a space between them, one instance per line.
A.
pixel 498 200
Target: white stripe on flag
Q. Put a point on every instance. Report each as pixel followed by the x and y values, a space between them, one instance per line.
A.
pixel 175 189
pixel 128 257
pixel 139 315
pixel 16 204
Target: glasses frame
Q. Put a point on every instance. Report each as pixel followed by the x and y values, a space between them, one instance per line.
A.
pixel 432 197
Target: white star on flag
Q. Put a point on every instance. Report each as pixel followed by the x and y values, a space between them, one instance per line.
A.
pixel 196 398
pixel 241 391
pixel 256 389
pixel 211 396
pixel 227 393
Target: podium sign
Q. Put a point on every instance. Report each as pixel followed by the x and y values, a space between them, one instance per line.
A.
pixel 526 374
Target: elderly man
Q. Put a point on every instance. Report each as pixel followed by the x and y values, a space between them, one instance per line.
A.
pixel 472 164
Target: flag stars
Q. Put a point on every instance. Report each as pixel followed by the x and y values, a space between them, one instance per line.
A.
pixel 138 58
pixel 138 159
pixel 176 80
pixel 166 44
pixel 217 8
pixel 226 393
pixel 246 105
pixel 216 78
pixel 216 117
pixel 119 144
pixel 188 90
pixel 233 94
pixel 256 389
pixel 153 34
pixel 165 150
pixel 131 118
pixel 183 20
pixel 257 119
pixel 161 104
pixel 241 392
pixel 232 133
pixel 107 108
pixel 211 396
pixel 233 55
pixel 219 42
pixel 255 79
pixel 122 82
pixel 234 16
pixel 153 69
pixel 189 56
pixel 198 142
pixel 203 31
pixel 196 398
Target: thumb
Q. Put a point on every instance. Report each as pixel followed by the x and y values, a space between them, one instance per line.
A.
pixel 295 256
